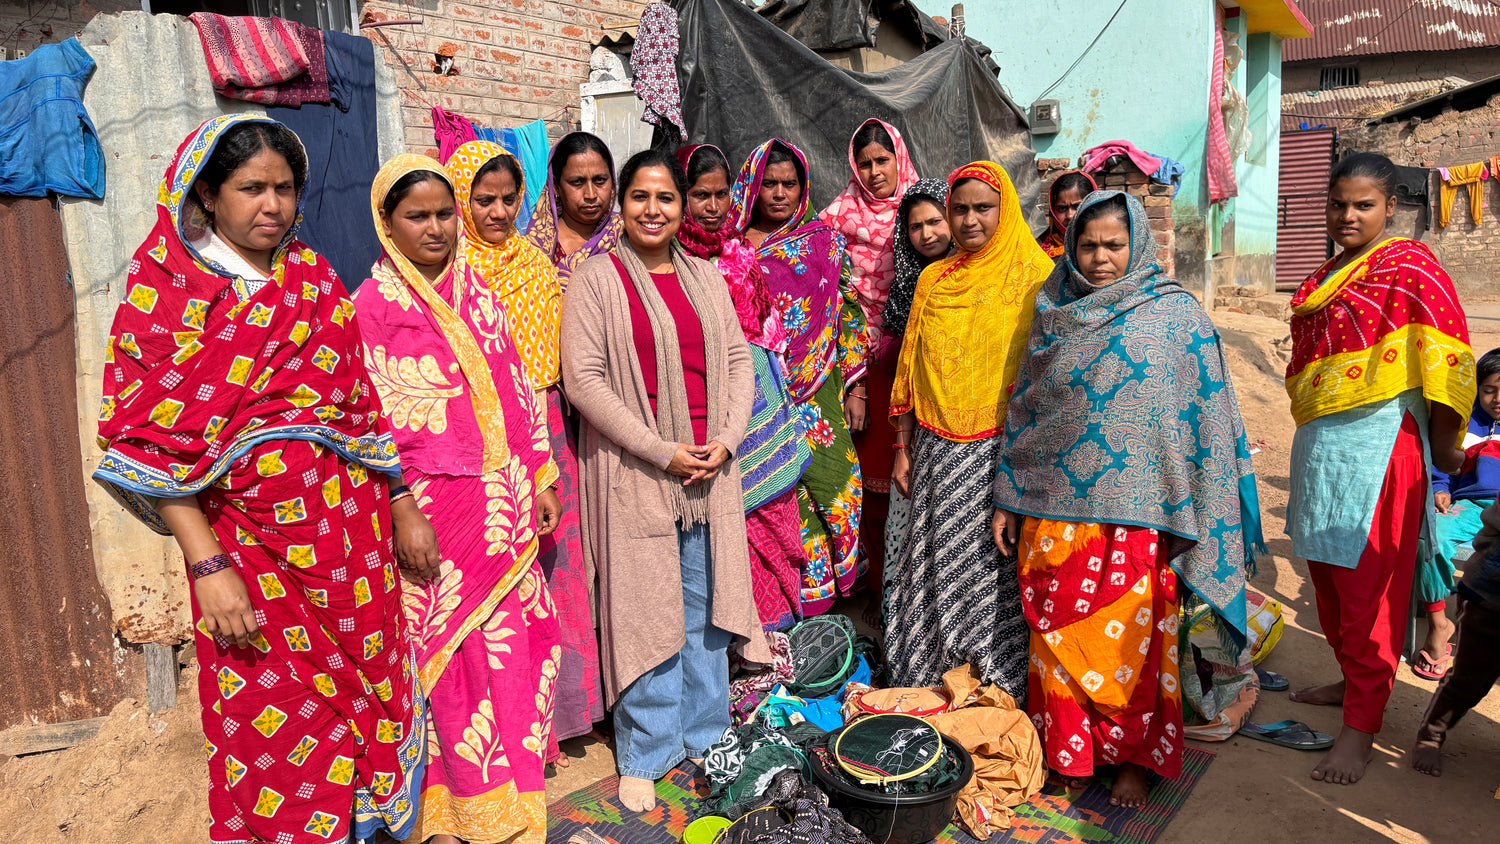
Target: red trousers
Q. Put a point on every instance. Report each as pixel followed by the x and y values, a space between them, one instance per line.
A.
pixel 1364 610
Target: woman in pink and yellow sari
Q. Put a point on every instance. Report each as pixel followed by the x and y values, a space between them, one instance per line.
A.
pixel 474 448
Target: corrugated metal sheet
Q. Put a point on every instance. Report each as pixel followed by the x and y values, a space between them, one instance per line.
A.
pixel 1354 106
pixel 57 646
pixel 150 91
pixel 1301 235
pixel 1375 27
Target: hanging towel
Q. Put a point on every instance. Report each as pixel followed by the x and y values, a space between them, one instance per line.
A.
pixel 508 141
pixel 263 60
pixel 653 61
pixel 50 142
pixel 1170 173
pixel 535 147
pixel 1097 158
pixel 451 132
pixel 1220 161
pixel 1470 175
pixel 343 156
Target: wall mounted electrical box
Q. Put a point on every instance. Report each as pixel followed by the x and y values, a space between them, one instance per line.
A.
pixel 1045 117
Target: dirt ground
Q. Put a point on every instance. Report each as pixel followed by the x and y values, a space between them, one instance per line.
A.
pixel 142 778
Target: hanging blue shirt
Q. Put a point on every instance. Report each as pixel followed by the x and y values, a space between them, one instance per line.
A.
pixel 49 140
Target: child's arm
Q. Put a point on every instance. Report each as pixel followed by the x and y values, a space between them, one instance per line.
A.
pixel 1444 430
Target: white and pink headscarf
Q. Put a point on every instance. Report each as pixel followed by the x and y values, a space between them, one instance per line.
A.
pixel 866 222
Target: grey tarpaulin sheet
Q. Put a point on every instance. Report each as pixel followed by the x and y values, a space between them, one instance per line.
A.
pixel 744 80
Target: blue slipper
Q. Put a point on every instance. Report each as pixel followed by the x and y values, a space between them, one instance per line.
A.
pixel 1293 734
pixel 1271 681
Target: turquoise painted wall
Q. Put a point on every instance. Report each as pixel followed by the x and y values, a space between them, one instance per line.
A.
pixel 1258 173
pixel 1146 81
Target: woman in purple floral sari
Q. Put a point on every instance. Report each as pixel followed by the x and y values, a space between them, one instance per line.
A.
pixel 806 274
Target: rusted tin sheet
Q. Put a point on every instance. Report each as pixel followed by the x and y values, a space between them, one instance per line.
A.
pixel 1375 27
pixel 57 645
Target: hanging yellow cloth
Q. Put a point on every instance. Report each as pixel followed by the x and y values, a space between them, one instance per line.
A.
pixel 1470 175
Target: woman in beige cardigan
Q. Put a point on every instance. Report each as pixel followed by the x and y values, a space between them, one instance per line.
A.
pixel 654 360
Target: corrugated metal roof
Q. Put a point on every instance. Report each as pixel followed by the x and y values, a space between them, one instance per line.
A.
pixel 151 89
pixel 1376 27
pixel 1301 234
pixel 1352 106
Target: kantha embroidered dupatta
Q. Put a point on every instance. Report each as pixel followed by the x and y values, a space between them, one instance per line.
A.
pixel 199 370
pixel 805 270
pixel 1387 323
pixel 1124 414
pixel 545 220
pixel 260 405
pixel 521 276
pixel 970 314
pixel 867 223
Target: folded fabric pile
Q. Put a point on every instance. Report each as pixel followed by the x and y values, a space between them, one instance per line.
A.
pixel 263 60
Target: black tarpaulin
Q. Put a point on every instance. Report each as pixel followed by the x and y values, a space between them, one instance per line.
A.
pixel 744 80
pixel 823 24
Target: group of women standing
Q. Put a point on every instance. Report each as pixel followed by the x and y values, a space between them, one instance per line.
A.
pixel 668 411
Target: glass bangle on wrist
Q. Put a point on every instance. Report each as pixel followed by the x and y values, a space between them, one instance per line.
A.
pixel 212 565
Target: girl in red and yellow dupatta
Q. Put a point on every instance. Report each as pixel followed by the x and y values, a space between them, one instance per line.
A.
pixel 1380 364
pixel 238 417
pixel 524 280
pixel 474 448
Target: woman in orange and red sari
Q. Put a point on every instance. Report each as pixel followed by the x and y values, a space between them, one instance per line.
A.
pixel 1125 477
pixel 489 185
pixel 474 448
pixel 1381 377
pixel 238 417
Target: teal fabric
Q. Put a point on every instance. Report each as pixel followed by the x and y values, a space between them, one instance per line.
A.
pixel 1338 467
pixel 774 453
pixel 1450 530
pixel 1124 413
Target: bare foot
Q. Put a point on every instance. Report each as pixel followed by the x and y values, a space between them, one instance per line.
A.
pixel 1427 758
pixel 1439 631
pixel 1346 761
pixel 1130 788
pixel 1076 783
pixel 445 839
pixel 1329 695
pixel 561 761
pixel 637 794
pixel 600 736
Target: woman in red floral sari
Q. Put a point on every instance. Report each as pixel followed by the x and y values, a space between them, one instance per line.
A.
pixel 238 417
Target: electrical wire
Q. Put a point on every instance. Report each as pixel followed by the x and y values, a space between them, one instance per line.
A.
pixel 1085 50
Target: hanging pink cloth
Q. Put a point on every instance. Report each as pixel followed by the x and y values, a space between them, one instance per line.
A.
pixel 1220 163
pixel 451 131
pixel 1094 158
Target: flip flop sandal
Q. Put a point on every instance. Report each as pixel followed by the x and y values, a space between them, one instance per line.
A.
pixel 1271 681
pixel 1293 734
pixel 1432 669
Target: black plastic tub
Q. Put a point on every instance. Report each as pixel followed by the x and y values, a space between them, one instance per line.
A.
pixel 895 818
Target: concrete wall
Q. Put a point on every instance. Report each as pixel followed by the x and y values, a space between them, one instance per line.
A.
pixel 1247 254
pixel 1146 80
pixel 1466 251
pixel 151 89
pixel 517 60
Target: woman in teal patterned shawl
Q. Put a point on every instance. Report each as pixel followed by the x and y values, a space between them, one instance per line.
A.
pixel 1126 474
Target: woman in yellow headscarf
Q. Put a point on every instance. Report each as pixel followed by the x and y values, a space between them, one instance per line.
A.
pixel 489 187
pixel 953 598
pixel 473 445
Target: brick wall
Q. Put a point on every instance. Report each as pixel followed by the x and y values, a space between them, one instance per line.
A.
pixel 1466 251
pixel 1125 176
pixel 26 24
pixel 1472 65
pixel 516 60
